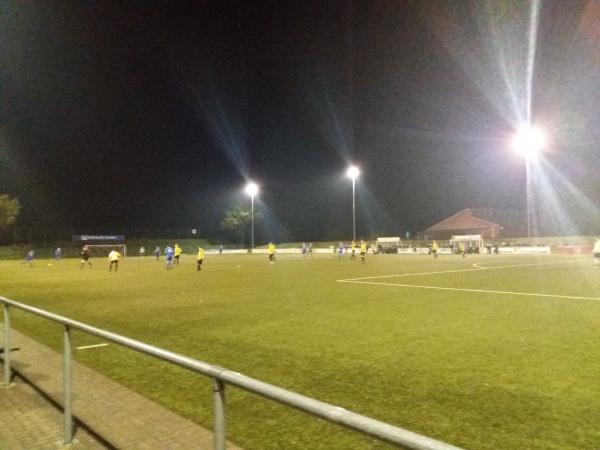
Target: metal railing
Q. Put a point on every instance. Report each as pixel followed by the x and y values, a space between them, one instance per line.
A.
pixel 220 377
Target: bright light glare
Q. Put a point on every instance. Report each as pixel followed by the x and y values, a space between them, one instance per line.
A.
pixel 529 142
pixel 353 172
pixel 251 189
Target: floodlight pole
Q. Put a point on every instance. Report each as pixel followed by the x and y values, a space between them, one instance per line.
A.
pixel 353 173
pixel 354 209
pixel 252 190
pixel 527 196
pixel 528 141
pixel 252 220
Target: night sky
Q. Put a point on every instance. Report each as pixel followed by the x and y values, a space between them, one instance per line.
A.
pixel 148 114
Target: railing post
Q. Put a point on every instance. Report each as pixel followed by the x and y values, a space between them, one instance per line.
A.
pixel 67 386
pixel 219 412
pixel 6 346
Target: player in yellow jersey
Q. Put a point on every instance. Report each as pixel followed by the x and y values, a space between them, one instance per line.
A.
pixel 363 251
pixel 271 252
pixel 434 249
pixel 177 253
pixel 353 250
pixel 199 259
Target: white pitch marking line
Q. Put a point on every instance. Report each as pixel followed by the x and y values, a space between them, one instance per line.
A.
pixel 530 294
pixel 411 274
pixel 479 268
pixel 91 346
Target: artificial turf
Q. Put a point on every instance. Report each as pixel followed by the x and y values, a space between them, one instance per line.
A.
pixel 479 370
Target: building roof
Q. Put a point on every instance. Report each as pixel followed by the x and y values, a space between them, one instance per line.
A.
pixel 462 220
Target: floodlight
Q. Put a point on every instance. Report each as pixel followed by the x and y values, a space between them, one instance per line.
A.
pixel 529 141
pixel 251 189
pixel 353 172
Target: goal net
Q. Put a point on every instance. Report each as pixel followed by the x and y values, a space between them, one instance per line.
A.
pixel 105 249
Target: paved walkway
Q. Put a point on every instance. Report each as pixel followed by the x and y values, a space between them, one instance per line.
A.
pixel 29 421
pixel 108 415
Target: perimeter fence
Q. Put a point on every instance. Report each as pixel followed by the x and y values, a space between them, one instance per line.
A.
pixel 221 377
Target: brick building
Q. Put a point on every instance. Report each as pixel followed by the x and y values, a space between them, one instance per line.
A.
pixel 488 222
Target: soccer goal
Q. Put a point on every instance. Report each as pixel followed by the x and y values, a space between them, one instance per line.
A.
pixel 104 249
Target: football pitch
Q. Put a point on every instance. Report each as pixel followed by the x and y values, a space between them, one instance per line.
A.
pixel 486 352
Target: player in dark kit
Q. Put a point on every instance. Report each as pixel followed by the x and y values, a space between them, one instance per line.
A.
pixel 85 257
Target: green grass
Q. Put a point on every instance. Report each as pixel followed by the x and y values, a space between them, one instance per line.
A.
pixel 478 370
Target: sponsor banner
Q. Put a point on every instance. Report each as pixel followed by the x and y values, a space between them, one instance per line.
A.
pixel 545 250
pixel 227 252
pixel 286 250
pixel 534 250
pixel 295 251
pixel 98 237
pixel 413 251
pixel 506 250
pixel 574 249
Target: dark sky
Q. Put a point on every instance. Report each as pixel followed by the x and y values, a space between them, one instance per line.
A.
pixel 147 114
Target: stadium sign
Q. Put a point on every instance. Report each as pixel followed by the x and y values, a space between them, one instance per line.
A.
pixel 98 237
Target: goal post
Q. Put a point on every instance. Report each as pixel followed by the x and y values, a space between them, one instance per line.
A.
pixel 105 249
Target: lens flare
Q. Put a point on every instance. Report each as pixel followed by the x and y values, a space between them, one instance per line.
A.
pixel 353 172
pixel 251 189
pixel 529 141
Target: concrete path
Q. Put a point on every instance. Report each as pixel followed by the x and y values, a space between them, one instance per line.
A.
pixel 30 421
pixel 108 415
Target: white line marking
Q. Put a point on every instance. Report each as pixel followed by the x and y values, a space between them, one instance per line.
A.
pixel 410 274
pixel 91 346
pixel 471 290
pixel 476 265
pixel 479 268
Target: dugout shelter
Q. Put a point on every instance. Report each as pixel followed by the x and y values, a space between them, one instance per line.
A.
pixel 387 244
pixel 473 242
